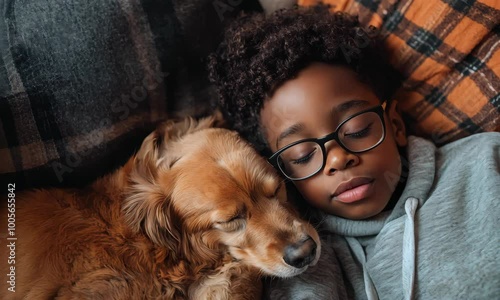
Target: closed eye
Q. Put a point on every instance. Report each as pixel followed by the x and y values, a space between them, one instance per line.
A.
pixel 233 224
pixel 361 133
pixel 235 218
pixel 305 159
pixel 236 222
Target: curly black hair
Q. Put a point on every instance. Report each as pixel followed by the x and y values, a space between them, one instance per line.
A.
pixel 259 53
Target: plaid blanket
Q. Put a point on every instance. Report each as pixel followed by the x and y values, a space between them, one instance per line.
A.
pixel 82 83
pixel 448 53
pixel 74 85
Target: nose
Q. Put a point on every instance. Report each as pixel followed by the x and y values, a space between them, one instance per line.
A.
pixel 300 254
pixel 338 158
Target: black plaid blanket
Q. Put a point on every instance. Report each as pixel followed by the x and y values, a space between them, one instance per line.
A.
pixel 82 83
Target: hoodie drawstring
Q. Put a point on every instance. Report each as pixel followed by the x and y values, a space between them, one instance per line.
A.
pixel 371 292
pixel 408 260
pixel 409 249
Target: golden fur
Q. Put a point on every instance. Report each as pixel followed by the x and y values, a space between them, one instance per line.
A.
pixel 196 214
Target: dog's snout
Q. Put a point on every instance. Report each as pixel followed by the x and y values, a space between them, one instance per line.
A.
pixel 300 254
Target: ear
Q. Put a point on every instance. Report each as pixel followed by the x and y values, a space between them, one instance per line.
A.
pixel 148 210
pixel 397 124
pixel 202 248
pixel 147 206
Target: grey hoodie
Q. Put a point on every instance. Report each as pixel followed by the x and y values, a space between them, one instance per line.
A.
pixel 441 240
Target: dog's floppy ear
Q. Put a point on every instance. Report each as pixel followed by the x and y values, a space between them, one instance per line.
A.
pixel 147 206
pixel 148 210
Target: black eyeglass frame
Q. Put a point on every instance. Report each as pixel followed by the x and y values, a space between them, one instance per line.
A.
pixel 379 110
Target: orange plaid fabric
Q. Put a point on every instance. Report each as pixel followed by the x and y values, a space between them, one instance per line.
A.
pixel 448 53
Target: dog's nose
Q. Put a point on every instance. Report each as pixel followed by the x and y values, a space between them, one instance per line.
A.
pixel 300 254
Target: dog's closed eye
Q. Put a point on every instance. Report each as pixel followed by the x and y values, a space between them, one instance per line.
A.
pixel 235 223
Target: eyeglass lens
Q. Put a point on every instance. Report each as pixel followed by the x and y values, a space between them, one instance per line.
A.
pixel 357 135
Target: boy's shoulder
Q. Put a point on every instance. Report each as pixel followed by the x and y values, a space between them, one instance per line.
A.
pixel 468 159
pixel 472 158
pixel 473 147
pixel 477 147
pixel 478 140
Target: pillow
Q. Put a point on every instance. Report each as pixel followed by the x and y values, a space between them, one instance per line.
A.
pixel 82 83
pixel 448 53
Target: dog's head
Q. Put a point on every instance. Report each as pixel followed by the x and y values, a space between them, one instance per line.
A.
pixel 202 191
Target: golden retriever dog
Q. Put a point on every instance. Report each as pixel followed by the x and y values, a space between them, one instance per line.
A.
pixel 196 213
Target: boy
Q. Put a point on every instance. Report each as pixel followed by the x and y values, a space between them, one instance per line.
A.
pixel 401 218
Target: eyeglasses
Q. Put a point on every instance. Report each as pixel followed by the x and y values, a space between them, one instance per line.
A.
pixel 359 133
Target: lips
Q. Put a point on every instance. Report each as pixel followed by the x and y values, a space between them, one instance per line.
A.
pixel 353 190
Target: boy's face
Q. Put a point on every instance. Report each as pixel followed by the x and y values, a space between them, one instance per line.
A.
pixel 312 105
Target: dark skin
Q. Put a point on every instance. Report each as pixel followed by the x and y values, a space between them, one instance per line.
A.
pixel 313 104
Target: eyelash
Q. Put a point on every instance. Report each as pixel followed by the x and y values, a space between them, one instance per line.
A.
pixel 304 159
pixel 234 224
pixel 234 219
pixel 360 133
